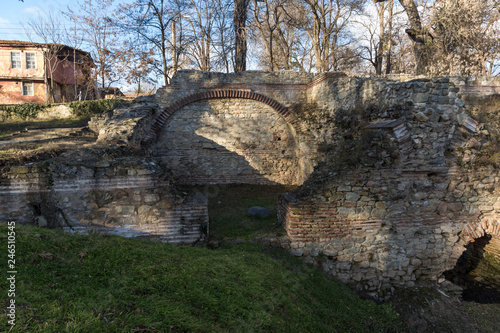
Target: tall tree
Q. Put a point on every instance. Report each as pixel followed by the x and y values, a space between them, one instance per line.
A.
pixel 273 28
pixel 223 35
pixel 92 19
pixel 466 37
pixel 326 23
pixel 49 28
pixel 153 21
pixel 379 33
pixel 417 34
pixel 240 34
pixel 461 36
pixel 201 29
pixel 267 17
pixel 294 49
pixel 139 66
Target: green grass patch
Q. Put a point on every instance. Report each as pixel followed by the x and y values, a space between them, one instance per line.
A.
pixel 228 208
pixel 110 284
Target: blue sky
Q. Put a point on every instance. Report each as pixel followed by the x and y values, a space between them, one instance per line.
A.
pixel 12 12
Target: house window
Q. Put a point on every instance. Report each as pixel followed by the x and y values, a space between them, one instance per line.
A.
pixel 28 89
pixel 30 60
pixel 15 59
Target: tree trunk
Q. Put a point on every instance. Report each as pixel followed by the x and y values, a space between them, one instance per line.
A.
pixel 206 55
pixel 174 50
pixel 389 40
pixel 419 48
pixel 240 34
pixel 379 57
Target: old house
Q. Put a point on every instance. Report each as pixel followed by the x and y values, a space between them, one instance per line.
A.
pixel 44 73
pixel 111 92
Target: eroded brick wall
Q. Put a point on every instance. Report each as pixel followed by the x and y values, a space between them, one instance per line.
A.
pixel 273 142
pixel 381 222
pixel 229 141
pixel 127 198
pixel 382 229
pixel 400 213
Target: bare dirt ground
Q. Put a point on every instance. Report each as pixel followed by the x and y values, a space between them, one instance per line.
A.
pixel 427 309
pixel 40 144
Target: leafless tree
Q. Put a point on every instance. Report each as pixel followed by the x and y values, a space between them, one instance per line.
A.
pixel 458 36
pixel 326 23
pixel 240 34
pixel 92 19
pixel 208 34
pixel 294 49
pixel 48 27
pixel 267 17
pixel 223 37
pixel 201 30
pixel 465 37
pixel 380 32
pixel 154 22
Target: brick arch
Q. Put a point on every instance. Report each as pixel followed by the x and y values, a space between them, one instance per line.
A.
pixel 216 94
pixel 487 225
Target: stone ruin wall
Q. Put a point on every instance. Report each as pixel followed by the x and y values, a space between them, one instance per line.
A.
pixel 123 197
pixel 286 87
pixel 400 222
pixel 386 228
pixel 379 223
pixel 402 213
pixel 229 141
pixel 237 140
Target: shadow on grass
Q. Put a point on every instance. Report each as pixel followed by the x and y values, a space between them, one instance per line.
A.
pixel 99 283
pixel 10 127
pixel 228 210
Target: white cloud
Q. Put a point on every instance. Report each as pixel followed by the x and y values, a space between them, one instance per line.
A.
pixel 34 10
pixel 3 21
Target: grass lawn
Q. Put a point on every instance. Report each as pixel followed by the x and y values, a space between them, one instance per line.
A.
pixel 71 283
pixel 96 283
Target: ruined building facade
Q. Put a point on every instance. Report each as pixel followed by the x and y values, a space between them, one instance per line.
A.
pixel 397 174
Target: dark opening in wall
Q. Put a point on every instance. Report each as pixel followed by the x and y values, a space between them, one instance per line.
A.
pixel 472 273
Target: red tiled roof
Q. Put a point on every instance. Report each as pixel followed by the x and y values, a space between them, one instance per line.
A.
pixel 24 43
pixel 17 42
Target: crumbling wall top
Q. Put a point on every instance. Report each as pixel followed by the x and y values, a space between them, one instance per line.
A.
pixel 248 77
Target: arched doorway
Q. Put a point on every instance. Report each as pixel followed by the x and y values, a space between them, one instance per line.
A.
pixel 228 140
pixel 477 270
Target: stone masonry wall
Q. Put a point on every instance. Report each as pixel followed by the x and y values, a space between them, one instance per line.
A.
pixel 125 197
pixel 287 87
pixel 330 97
pixel 263 110
pixel 380 229
pixel 398 173
pixel 229 141
pixel 332 101
pixel 408 177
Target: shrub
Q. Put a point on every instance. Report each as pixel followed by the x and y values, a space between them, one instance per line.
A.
pixel 89 108
pixel 24 111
